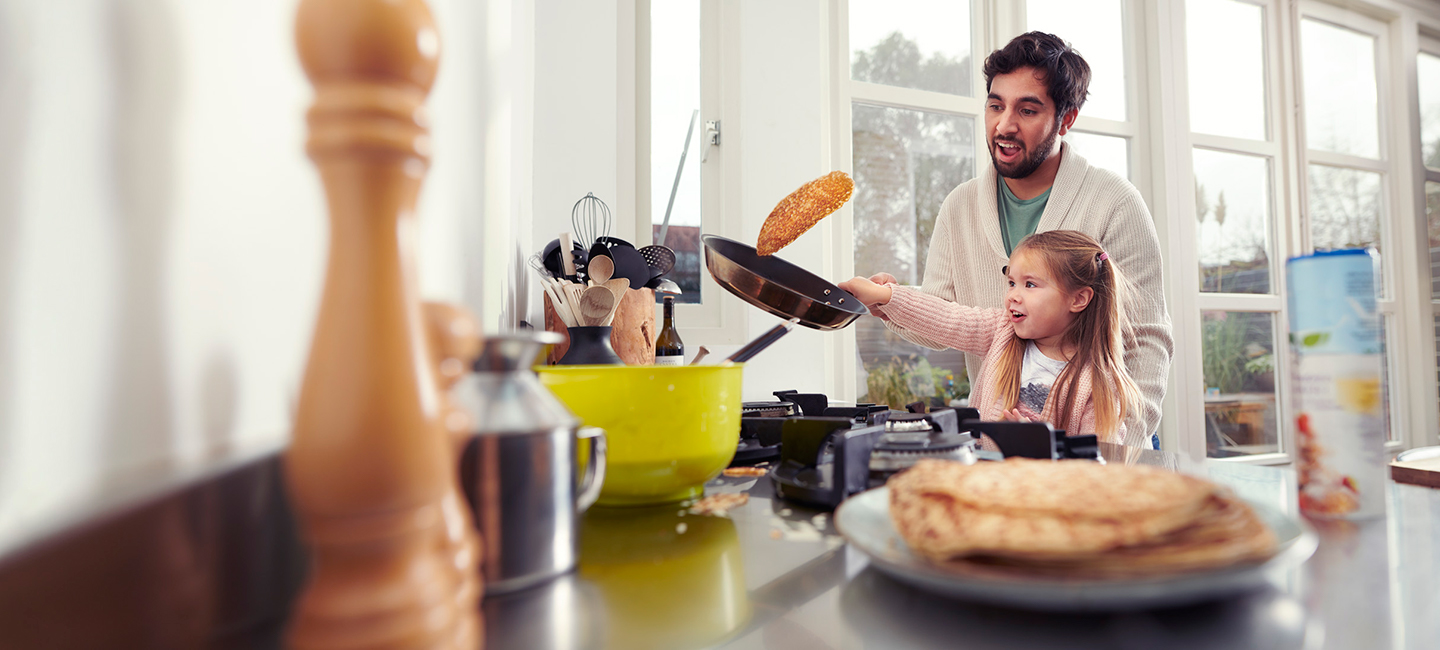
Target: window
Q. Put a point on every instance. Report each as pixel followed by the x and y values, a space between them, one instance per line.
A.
pixel 680 76
pixel 908 151
pixel 1432 218
pixel 1239 352
pixel 1097 31
pixel 1427 64
pixel 1346 168
pixel 1342 174
pixel 1234 160
pixel 1104 151
pixel 675 137
pixel 911 44
pixel 1225 42
pixel 1232 207
pixel 1275 133
pixel 917 132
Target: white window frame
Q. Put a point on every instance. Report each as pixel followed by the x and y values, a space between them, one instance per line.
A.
pixel 1412 376
pixel 717 320
pixel 1187 301
pixel 1133 15
pixel 1425 412
pixel 1401 264
pixel 992 24
pixel 844 91
pixel 1161 158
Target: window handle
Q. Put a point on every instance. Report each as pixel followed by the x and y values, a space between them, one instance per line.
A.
pixel 712 137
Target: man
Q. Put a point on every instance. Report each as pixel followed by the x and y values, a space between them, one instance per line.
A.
pixel 1036 86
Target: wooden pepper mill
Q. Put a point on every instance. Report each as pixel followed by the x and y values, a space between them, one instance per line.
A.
pixel 370 471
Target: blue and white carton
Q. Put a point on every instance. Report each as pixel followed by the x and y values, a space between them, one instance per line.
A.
pixel 1336 388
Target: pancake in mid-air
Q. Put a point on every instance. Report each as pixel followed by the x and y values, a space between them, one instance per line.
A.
pixel 804 208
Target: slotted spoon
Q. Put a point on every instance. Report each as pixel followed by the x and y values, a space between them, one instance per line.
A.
pixel 660 258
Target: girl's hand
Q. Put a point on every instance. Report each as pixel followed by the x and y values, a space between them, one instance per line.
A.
pixel 1013 415
pixel 867 291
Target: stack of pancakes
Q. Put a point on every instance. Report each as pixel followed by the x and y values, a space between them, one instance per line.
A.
pixel 1073 518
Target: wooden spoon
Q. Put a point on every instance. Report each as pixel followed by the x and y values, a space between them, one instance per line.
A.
pixel 573 292
pixel 618 286
pixel 561 309
pixel 595 305
pixel 601 269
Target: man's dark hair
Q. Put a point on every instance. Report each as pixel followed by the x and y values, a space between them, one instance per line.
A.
pixel 1067 76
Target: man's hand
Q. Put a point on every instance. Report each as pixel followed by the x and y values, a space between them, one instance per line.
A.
pixel 867 290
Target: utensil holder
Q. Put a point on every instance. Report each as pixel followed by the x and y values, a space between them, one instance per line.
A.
pixel 590 346
pixel 632 333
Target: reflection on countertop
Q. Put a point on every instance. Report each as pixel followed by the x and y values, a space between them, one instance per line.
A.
pixel 888 614
pixel 665 579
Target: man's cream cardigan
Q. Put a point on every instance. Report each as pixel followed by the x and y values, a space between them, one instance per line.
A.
pixel 967 253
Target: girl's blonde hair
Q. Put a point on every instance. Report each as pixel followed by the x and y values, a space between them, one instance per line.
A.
pixel 1097 334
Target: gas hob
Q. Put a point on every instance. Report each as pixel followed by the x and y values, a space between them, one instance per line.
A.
pixel 826 453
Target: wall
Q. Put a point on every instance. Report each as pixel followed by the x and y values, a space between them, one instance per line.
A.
pixel 577 68
pixel 162 235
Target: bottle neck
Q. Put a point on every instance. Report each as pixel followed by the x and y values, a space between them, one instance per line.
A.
pixel 669 310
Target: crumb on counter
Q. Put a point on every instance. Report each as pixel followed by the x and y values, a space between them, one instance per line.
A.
pixel 719 504
pixel 745 471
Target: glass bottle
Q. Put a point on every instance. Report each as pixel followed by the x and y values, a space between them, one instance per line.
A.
pixel 669 349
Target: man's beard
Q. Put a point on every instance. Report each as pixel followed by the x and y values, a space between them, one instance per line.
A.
pixel 1032 160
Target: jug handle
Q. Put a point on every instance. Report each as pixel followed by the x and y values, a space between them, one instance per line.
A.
pixel 594 477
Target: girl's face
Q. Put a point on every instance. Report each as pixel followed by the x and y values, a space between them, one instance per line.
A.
pixel 1040 308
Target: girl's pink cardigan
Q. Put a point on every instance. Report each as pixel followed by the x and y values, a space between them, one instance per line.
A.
pixel 985 332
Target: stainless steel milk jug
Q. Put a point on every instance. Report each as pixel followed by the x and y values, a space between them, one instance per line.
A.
pixel 519 470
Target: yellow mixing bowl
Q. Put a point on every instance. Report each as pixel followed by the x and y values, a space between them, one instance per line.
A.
pixel 669 429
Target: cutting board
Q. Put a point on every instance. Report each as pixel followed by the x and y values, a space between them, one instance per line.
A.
pixel 1417 467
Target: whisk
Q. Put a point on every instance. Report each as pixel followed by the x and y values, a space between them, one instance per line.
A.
pixel 590 218
pixel 538 263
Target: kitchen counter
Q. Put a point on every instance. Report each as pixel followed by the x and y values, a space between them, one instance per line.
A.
pixel 775 575
pixel 216 563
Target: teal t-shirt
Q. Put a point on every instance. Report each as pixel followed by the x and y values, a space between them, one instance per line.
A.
pixel 1018 218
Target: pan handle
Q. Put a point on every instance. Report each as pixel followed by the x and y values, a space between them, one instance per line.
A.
pixel 763 341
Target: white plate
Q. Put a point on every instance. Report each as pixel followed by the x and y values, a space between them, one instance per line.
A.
pixel 864 520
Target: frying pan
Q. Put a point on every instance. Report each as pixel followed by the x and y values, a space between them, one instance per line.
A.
pixel 779 287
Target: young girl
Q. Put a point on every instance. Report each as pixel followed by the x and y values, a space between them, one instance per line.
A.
pixel 1055 353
